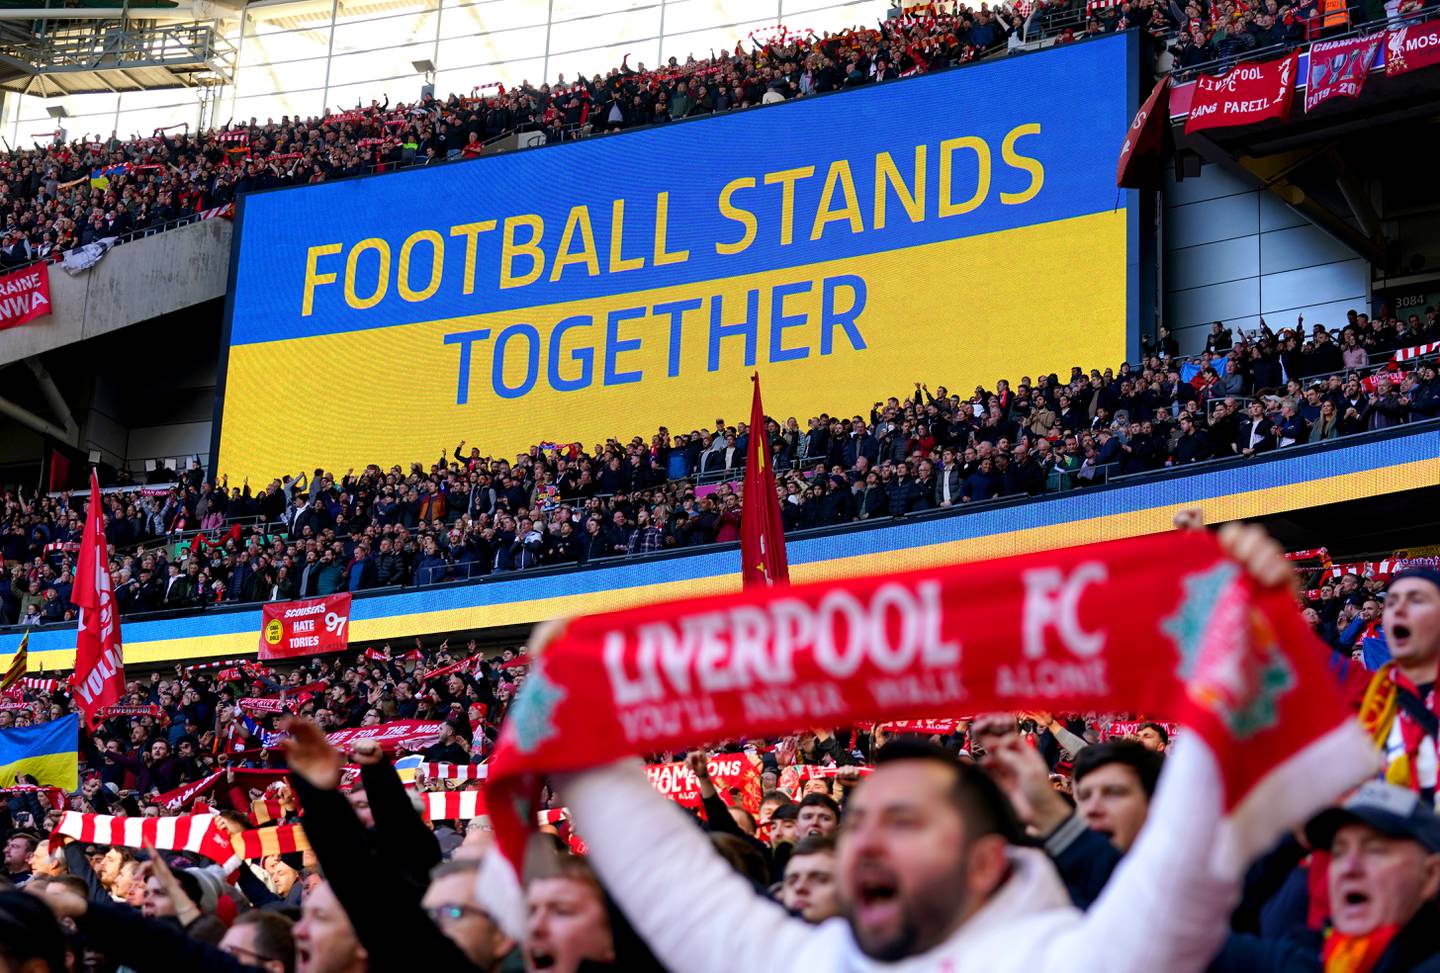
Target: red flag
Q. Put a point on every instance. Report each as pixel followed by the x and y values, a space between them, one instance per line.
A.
pixel 762 538
pixel 1142 156
pixel 99 678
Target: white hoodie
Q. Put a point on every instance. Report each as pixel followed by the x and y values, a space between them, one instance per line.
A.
pixel 1164 910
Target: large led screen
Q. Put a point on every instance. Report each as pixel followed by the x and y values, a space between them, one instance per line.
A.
pixel 953 229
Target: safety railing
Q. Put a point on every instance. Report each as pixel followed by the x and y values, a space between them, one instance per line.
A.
pixel 56 256
pixel 1108 476
pixel 1228 60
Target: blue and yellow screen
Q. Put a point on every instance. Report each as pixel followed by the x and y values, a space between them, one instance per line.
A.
pixel 953 229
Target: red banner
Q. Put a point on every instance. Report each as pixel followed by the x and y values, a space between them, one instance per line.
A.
pixel 793 779
pixel 24 295
pixel 401 734
pixel 244 777
pixel 468 664
pixel 1244 95
pixel 1099 627
pixel 264 704
pixel 1338 69
pixel 309 627
pixel 1412 47
pixel 729 771
pixel 54 796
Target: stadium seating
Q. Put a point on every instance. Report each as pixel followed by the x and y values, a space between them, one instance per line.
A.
pixel 190 543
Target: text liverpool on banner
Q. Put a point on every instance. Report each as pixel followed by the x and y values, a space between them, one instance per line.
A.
pixel 1244 95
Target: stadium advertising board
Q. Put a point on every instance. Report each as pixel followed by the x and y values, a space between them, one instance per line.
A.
pixel 952 229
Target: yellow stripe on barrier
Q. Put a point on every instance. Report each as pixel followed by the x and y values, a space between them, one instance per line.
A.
pixel 1130 523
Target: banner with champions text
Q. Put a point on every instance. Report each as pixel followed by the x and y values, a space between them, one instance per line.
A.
pixel 24 295
pixel 731 773
pixel 312 626
pixel 1338 69
pixel 1080 629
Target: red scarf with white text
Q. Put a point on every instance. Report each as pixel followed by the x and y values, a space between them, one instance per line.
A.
pixel 1162 624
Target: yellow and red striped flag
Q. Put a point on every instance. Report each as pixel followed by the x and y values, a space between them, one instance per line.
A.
pixel 19 665
pixel 282 839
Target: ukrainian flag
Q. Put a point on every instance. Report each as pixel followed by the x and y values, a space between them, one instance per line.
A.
pixel 48 752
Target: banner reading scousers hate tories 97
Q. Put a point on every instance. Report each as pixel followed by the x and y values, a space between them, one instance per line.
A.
pixel 308 627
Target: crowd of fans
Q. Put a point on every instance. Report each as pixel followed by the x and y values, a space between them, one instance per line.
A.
pixel 380 886
pixel 69 193
pixel 467 515
pixel 66 194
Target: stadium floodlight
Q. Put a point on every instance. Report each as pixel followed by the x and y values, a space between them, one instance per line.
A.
pixel 423 67
pixel 57 111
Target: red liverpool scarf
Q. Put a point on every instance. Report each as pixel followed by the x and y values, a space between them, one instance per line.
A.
pixel 1158 624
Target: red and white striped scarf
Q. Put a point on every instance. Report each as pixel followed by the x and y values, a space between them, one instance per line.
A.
pixel 199 833
pixel 441 771
pixel 449 805
pixel 1416 351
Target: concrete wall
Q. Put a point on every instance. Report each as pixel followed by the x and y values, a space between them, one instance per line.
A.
pixel 180 439
pixel 1233 253
pixel 134 282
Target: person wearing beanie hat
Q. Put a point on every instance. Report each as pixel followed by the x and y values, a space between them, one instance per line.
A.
pixel 212 886
pixel 1399 707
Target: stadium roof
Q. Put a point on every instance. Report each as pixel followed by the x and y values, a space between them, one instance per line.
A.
pixel 93 47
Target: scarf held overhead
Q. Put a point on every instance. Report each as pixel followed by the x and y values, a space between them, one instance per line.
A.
pixel 1099 627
